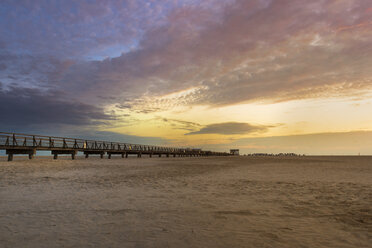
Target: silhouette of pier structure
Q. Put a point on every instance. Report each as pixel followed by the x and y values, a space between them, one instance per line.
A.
pixel 26 144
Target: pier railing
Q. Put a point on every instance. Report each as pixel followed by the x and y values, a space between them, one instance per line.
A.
pixel 16 143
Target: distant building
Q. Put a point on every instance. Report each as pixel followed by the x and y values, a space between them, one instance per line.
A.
pixel 234 152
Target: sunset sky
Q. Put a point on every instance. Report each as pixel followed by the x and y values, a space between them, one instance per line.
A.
pixel 258 75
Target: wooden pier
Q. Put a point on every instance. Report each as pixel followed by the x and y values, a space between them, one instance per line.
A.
pixel 27 144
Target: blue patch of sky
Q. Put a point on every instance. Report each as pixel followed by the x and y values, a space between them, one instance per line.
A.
pixel 111 51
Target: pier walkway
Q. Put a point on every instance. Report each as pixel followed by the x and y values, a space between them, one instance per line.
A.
pixel 15 143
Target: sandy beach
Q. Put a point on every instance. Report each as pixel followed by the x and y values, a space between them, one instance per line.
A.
pixel 186 202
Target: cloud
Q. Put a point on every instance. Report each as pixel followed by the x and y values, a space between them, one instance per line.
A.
pixel 71 28
pixel 230 128
pixel 249 51
pixel 180 124
pixel 230 51
pixel 25 107
pixel 3 67
pixel 81 28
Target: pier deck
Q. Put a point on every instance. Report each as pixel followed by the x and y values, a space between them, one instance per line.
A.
pixel 15 143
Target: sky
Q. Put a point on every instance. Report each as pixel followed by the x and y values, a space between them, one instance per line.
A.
pixel 258 75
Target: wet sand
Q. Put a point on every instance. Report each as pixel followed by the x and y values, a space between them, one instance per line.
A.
pixel 186 202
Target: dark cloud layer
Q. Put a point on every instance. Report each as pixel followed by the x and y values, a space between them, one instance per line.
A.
pixel 230 128
pixel 22 107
